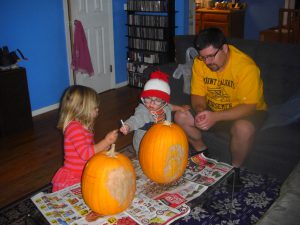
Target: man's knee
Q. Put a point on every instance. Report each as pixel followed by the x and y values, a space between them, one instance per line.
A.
pixel 181 117
pixel 243 128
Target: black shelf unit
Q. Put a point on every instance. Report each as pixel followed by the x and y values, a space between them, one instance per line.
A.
pixel 151 31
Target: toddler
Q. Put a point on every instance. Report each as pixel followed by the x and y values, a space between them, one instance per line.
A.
pixel 155 107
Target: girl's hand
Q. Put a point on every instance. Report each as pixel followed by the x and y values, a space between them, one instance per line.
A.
pixel 111 137
pixel 125 129
pixel 107 141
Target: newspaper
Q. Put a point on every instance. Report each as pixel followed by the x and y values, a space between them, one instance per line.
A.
pixel 67 207
pixel 205 171
pixel 153 203
pixel 185 189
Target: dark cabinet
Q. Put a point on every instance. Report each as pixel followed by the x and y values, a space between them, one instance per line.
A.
pixel 15 111
pixel 231 22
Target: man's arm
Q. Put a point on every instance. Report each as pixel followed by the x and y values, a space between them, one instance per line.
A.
pixel 198 103
pixel 206 119
pixel 235 113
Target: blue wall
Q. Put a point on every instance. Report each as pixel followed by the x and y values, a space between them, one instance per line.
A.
pixel 261 15
pixel 181 19
pixel 37 28
pixel 120 40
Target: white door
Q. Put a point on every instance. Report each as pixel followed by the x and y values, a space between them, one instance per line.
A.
pixel 96 19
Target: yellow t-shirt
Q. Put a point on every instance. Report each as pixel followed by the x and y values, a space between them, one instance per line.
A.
pixel 238 83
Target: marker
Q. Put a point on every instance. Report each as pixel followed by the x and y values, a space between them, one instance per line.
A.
pixel 122 123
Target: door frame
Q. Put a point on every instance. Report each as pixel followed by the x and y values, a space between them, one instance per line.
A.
pixel 68 31
pixel 192 18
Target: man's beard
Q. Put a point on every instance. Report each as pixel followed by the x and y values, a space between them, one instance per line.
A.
pixel 213 67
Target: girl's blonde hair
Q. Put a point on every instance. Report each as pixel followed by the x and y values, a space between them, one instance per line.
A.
pixel 78 103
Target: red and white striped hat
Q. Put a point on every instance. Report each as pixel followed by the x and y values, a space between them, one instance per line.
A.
pixel 157 86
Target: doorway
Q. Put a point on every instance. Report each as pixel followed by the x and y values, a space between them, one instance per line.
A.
pixel 192 18
pixel 97 21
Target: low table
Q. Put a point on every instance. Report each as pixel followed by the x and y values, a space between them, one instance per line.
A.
pixel 205 196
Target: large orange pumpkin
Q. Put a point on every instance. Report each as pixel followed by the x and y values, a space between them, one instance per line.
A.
pixel 163 153
pixel 108 182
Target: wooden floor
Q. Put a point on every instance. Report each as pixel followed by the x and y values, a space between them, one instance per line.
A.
pixel 29 159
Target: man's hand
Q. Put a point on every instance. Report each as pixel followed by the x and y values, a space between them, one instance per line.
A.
pixel 205 120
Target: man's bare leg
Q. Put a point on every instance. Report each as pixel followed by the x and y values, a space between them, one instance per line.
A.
pixel 242 136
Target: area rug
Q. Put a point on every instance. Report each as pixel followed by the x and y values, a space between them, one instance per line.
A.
pixel 245 207
pixel 21 212
pixel 222 207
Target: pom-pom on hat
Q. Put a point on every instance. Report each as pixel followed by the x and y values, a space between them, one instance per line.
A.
pixel 157 86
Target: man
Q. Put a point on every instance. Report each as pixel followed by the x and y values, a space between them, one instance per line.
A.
pixel 226 95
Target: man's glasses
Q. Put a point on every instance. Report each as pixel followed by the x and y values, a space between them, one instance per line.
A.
pixel 156 101
pixel 210 57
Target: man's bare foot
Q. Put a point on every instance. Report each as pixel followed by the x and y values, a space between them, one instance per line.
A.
pixel 92 216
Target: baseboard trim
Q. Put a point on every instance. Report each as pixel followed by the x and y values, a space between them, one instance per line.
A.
pixel 122 84
pixel 55 106
pixel 45 109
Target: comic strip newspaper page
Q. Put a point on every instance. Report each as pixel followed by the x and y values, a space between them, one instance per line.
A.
pixel 66 207
pixel 153 203
pixel 183 189
pixel 205 171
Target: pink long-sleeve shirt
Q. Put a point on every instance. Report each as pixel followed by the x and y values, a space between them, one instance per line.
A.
pixel 78 146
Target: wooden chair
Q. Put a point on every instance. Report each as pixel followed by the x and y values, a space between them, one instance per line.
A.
pixel 289 25
pixel 288 29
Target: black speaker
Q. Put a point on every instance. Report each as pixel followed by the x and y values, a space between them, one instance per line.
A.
pixel 15 108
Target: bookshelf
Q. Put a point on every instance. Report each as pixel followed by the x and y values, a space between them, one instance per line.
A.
pixel 151 30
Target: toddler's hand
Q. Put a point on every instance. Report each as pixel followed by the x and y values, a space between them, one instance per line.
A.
pixel 184 108
pixel 124 129
pixel 111 137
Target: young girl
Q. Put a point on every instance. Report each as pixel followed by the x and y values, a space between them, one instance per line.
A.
pixel 78 111
pixel 155 108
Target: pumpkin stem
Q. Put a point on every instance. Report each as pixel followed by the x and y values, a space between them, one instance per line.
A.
pixel 167 123
pixel 111 152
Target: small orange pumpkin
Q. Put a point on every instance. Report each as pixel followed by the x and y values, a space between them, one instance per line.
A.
pixel 163 153
pixel 108 182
